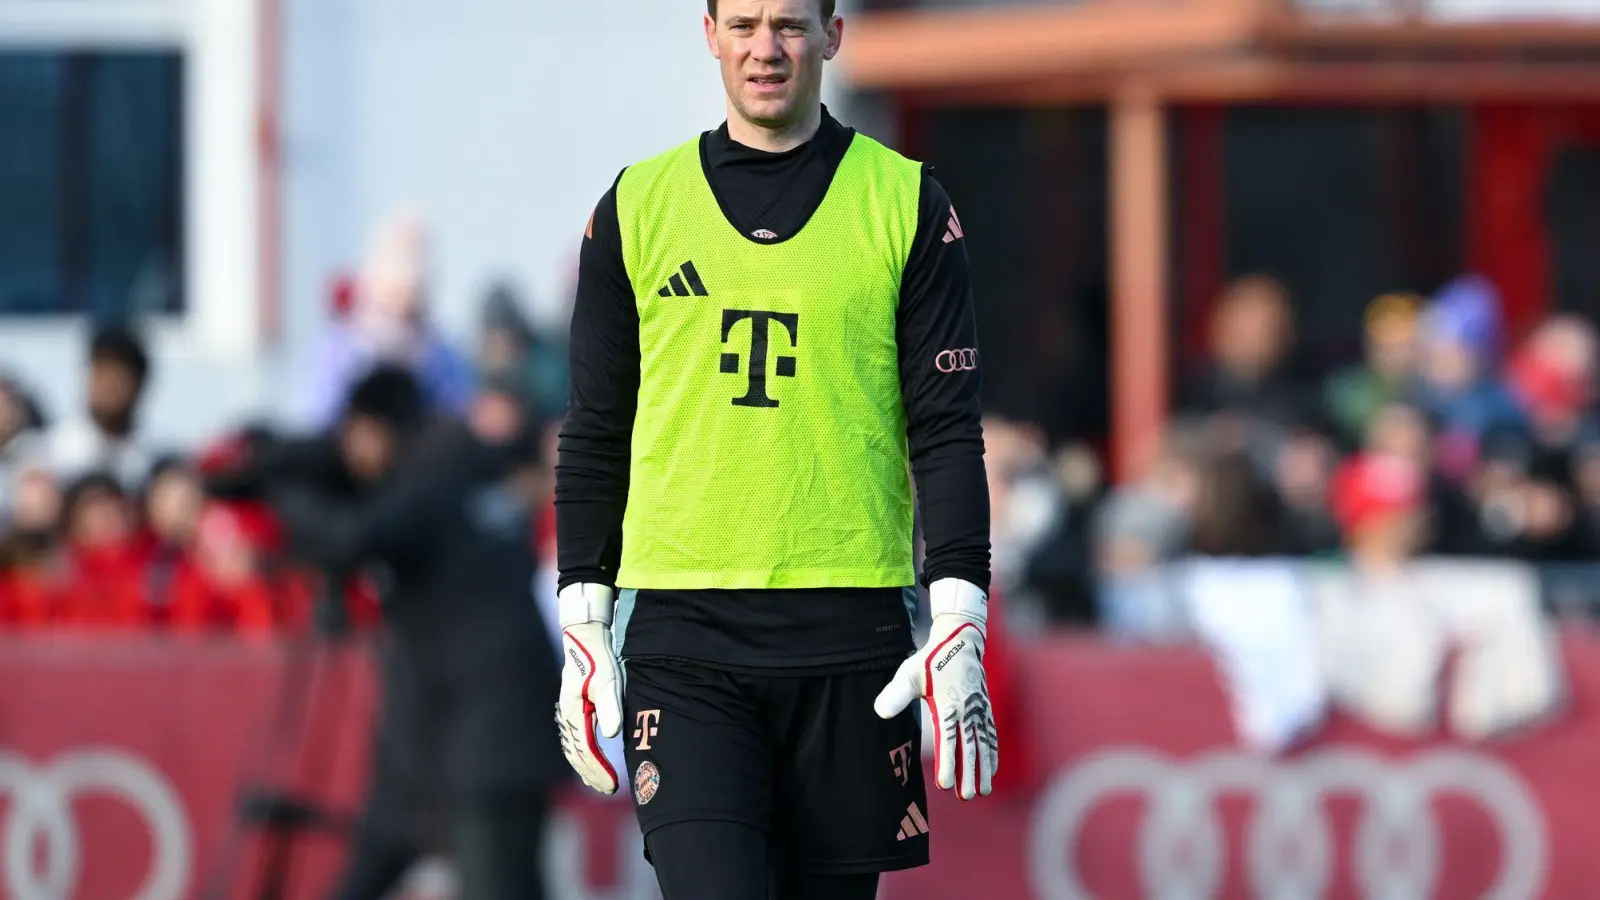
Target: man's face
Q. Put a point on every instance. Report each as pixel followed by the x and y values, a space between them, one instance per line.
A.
pixel 1252 333
pixel 500 351
pixel 1391 348
pixel 367 446
pixel 112 388
pixel 1399 430
pixel 174 505
pixel 100 519
pixel 495 417
pixel 37 504
pixel 772 53
pixel 1450 364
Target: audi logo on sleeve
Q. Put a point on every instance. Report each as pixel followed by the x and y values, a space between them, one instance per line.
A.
pixel 963 360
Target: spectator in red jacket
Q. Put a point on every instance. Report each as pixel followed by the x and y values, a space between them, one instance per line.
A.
pixel 293 592
pixel 104 558
pixel 172 503
pixel 31 570
pixel 221 587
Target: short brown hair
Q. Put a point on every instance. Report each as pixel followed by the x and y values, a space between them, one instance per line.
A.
pixel 827 9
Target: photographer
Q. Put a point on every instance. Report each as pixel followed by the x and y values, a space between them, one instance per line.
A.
pixel 442 510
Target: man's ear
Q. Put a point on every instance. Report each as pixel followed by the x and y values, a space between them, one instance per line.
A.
pixel 711 34
pixel 834 32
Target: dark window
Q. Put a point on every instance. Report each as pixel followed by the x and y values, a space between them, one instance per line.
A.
pixel 91 182
pixel 1574 218
pixel 1030 187
pixel 1342 205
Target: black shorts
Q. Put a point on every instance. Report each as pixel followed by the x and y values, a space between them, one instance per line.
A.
pixel 803 758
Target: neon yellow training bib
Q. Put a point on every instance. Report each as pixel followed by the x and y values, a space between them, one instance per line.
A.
pixel 769 448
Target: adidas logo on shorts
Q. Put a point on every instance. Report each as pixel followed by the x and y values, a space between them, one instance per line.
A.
pixel 913 824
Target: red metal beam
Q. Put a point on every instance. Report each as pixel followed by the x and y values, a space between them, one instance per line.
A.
pixel 1422 34
pixel 1255 80
pixel 1139 320
pixel 1508 239
pixel 921 49
pixel 1202 224
pixel 1103 41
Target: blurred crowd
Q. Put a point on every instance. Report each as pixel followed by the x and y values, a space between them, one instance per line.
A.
pixel 102 529
pixel 1447 437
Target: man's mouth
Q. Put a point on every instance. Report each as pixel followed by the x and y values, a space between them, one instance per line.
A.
pixel 768 82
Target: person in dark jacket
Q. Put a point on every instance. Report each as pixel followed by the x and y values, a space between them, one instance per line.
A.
pixel 469 673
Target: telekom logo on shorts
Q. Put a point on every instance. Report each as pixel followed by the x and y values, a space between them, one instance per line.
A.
pixel 645 727
pixel 963 360
pixel 899 758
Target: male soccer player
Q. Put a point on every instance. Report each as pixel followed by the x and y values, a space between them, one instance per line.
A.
pixel 773 337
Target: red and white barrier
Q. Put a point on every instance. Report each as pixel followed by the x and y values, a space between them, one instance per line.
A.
pixel 120 762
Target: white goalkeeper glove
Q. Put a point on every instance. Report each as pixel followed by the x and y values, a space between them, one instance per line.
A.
pixel 948 673
pixel 591 691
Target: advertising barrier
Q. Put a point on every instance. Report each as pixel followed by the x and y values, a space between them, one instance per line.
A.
pixel 121 763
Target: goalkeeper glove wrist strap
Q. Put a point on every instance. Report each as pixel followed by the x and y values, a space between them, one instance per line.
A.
pixel 953 596
pixel 577 604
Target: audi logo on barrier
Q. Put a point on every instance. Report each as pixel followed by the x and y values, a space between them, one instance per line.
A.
pixel 1289 847
pixel 964 360
pixel 40 820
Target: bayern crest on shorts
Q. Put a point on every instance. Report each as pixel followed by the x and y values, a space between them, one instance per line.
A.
pixel 646 779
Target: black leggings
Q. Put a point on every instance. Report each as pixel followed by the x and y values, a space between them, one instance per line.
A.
pixel 728 861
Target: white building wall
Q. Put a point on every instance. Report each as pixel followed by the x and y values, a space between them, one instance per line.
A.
pixel 503 120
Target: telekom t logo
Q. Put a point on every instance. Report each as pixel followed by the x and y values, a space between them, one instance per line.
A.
pixel 645 728
pixel 900 758
pixel 756 370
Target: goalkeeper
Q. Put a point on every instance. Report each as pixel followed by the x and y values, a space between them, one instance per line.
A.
pixel 773 336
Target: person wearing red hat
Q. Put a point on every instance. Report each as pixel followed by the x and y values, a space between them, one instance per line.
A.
pixel 1378 500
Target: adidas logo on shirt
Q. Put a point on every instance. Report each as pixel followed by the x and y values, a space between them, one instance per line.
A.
pixel 953 229
pixel 684 283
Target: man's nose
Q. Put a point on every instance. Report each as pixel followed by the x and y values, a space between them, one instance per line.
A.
pixel 766 46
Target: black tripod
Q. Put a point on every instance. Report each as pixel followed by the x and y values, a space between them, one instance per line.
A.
pixel 279 800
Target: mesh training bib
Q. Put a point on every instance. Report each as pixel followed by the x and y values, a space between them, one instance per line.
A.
pixel 769 449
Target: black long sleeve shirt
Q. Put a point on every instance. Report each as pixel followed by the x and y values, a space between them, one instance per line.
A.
pixel 776 193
